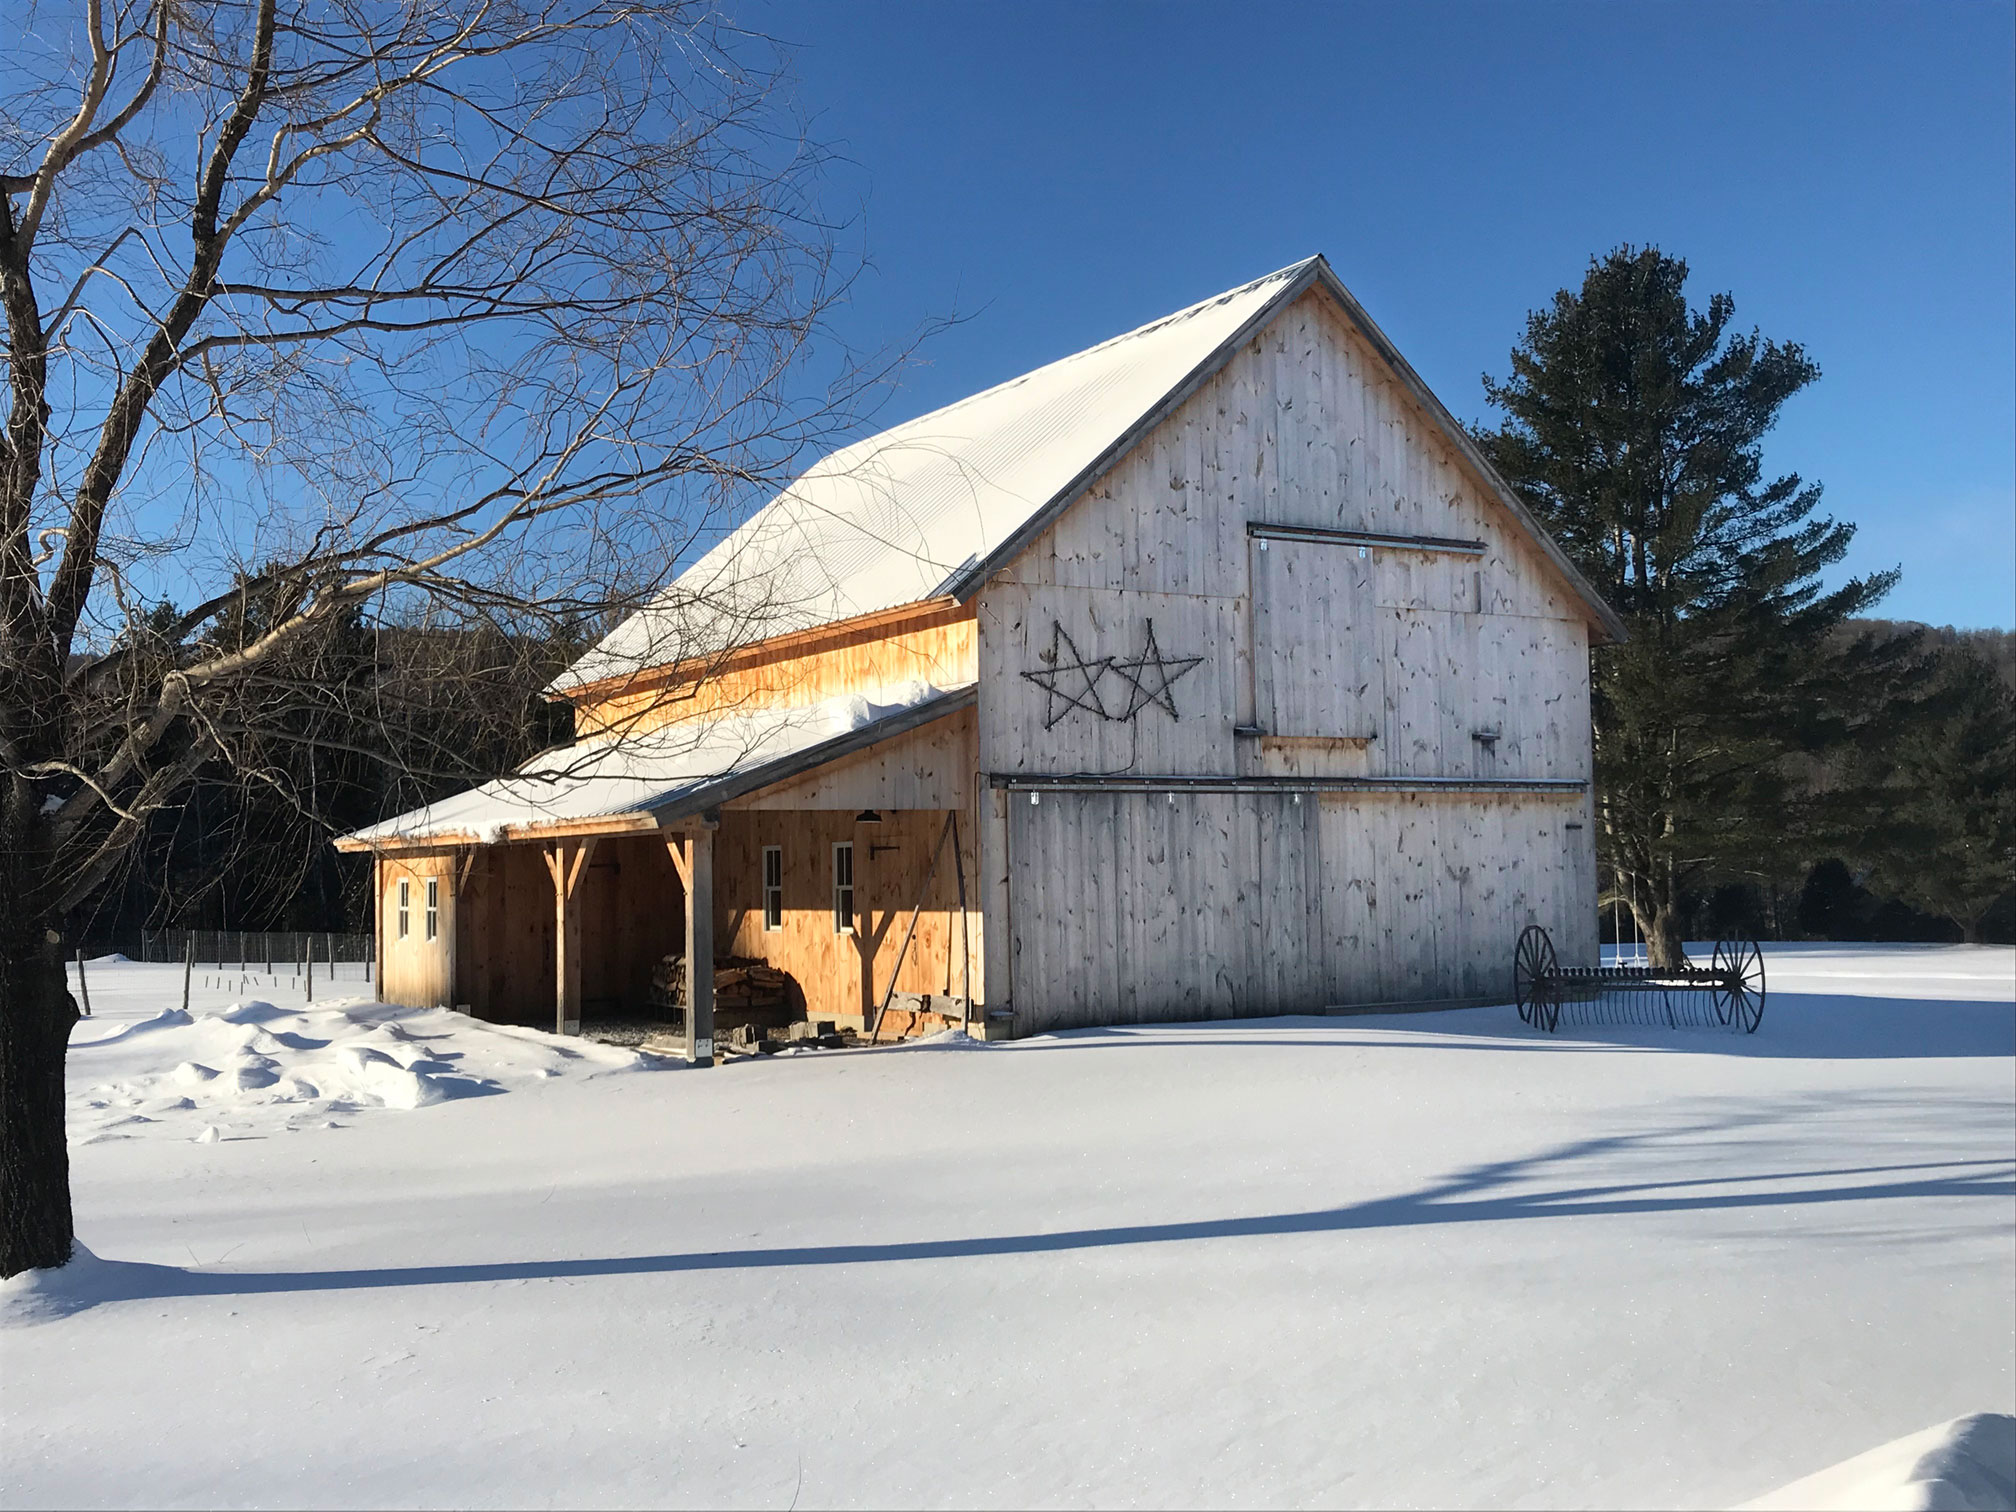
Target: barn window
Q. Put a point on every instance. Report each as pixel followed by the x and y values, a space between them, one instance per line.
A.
pixel 405 907
pixel 433 907
pixel 773 887
pixel 843 887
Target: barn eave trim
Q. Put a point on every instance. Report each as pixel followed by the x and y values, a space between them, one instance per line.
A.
pixel 1095 782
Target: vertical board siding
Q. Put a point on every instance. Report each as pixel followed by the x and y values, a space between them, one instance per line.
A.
pixel 844 977
pixel 1399 663
pixel 1018 639
pixel 1316 666
pixel 930 767
pixel 937 648
pixel 1131 908
pixel 1302 427
pixel 417 972
pixel 505 947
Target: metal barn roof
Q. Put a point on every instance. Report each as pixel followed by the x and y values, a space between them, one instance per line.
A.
pixel 934 506
pixel 892 519
pixel 658 776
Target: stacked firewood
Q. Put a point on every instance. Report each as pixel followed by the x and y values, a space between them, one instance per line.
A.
pixel 739 983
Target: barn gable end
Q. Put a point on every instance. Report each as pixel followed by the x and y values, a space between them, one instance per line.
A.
pixel 1246 528
pixel 1320 585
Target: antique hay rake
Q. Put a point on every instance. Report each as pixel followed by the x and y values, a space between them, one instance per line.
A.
pixel 1728 993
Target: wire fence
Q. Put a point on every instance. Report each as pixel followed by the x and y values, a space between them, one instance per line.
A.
pixel 268 956
pixel 279 962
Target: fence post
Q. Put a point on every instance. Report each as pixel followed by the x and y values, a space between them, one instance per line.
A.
pixel 83 986
pixel 188 965
pixel 308 950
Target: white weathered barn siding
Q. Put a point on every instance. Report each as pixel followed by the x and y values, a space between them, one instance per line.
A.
pixel 1335 660
pixel 1132 908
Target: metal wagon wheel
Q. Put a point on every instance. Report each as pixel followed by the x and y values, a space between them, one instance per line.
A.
pixel 1724 967
pixel 1747 984
pixel 1536 985
pixel 1739 992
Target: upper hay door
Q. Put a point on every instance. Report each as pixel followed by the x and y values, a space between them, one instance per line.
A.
pixel 1316 671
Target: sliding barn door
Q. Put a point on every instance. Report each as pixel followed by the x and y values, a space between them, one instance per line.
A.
pixel 1149 907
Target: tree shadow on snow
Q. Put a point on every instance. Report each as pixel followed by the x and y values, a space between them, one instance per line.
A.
pixel 1700 1154
pixel 1796 1025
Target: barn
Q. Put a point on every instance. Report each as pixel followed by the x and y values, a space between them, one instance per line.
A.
pixel 1208 672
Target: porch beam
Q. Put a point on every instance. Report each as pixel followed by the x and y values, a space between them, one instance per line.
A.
pixel 698 875
pixel 567 864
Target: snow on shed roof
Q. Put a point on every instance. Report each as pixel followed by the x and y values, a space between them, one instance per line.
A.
pixel 934 506
pixel 892 519
pixel 661 775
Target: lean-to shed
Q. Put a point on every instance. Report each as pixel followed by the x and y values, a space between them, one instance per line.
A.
pixel 1210 671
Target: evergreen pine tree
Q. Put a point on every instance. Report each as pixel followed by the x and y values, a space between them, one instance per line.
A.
pixel 1633 430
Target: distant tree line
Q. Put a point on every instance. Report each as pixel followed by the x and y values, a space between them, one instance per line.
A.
pixel 350 725
pixel 1929 858
pixel 1769 758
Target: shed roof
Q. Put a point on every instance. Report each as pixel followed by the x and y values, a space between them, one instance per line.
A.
pixel 644 781
pixel 933 507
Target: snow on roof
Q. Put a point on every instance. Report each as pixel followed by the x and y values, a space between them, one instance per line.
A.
pixel 897 517
pixel 662 773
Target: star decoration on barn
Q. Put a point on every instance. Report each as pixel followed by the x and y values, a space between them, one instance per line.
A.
pixel 1071 680
pixel 1150 676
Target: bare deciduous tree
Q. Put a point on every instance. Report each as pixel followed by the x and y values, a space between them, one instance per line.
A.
pixel 328 307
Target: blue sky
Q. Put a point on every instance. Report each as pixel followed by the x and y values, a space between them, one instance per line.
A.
pixel 1058 173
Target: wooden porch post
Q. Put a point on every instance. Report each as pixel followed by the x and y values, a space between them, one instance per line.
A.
pixel 699 870
pixel 567 863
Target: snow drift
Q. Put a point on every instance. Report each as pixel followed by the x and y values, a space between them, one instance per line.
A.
pixel 252 1066
pixel 1967 1465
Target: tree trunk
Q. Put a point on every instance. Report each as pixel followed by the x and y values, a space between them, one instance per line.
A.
pixel 1664 948
pixel 36 1012
pixel 1655 907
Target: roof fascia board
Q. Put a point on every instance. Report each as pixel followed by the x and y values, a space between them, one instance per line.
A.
pixel 780 647
pixel 965 585
pixel 406 845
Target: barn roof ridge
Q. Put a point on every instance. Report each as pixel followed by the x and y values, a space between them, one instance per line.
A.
pixel 921 511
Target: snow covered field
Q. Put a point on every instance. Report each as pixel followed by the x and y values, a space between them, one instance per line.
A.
pixel 1429 1260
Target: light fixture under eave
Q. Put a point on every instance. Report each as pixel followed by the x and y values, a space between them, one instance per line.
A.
pixel 867 816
